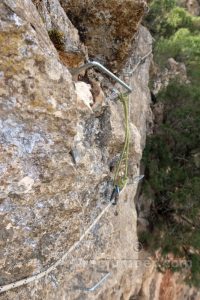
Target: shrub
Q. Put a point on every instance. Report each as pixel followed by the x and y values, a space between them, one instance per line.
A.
pixel 173 176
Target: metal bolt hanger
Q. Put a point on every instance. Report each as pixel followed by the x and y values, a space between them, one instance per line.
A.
pixel 104 70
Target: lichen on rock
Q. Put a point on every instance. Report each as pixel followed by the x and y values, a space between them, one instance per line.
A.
pixel 56 157
pixel 63 34
pixel 107 28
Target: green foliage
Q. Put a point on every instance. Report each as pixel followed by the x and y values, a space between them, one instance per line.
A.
pixel 158 13
pixel 179 18
pixel 182 45
pixel 194 278
pixel 173 177
pixel 156 19
pixel 166 18
pixel 172 174
pixel 176 33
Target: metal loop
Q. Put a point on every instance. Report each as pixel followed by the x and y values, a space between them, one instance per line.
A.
pixel 103 69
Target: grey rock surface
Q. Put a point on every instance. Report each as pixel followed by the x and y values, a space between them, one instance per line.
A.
pixel 48 196
pixel 61 31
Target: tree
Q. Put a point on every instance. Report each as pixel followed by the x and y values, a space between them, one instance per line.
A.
pixel 171 154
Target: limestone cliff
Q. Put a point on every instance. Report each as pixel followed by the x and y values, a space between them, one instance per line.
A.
pixel 57 150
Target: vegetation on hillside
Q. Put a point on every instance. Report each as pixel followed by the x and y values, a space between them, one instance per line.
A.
pixel 172 154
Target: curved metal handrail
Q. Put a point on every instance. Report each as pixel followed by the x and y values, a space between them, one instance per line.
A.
pixel 104 70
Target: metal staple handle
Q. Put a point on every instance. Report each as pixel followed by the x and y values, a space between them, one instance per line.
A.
pixel 96 285
pixel 104 70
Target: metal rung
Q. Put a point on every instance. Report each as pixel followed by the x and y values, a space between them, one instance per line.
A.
pixel 104 70
pixel 95 286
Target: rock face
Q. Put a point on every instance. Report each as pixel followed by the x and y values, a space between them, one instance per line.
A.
pixel 106 27
pixel 161 78
pixel 56 157
pixel 166 285
pixel 193 6
pixel 62 33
